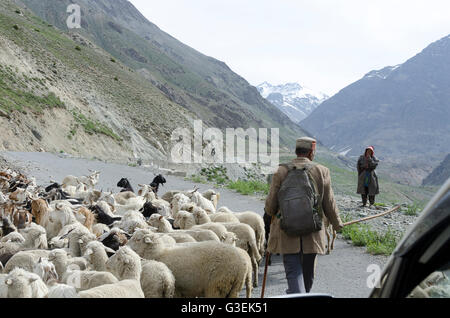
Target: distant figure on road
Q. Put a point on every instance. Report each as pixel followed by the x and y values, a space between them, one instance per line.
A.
pixel 299 252
pixel 367 178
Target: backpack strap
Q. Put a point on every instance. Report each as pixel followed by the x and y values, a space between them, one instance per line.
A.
pixel 288 166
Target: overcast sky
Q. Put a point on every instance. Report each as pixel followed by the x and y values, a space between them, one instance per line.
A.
pixel 322 44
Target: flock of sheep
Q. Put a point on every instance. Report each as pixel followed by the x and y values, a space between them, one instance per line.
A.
pixel 70 240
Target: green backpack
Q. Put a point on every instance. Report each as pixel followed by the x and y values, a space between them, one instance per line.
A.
pixel 298 200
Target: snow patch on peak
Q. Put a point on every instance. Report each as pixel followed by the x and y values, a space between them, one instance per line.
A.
pixel 293 99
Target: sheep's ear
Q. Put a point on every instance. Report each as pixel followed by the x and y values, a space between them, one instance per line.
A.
pixel 9 282
pixel 88 251
pixel 161 217
pixel 109 250
pixel 80 241
pixel 148 240
pixel 127 261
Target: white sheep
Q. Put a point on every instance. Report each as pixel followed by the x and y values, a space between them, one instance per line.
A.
pixel 194 266
pixel 13 237
pixel 23 284
pixel 46 270
pixel 125 264
pixel 135 242
pixel 83 280
pixel 212 196
pixel 124 289
pixel 184 220
pixel 25 260
pixel 246 239
pixel 63 261
pixel 202 202
pixel 255 221
pixel 3 286
pixel 249 272
pixel 96 255
pixel 222 217
pixel 146 192
pixel 131 221
pixel 134 204
pixel 78 239
pixel 61 291
pixel 163 226
pixel 168 196
pixel 177 202
pixel 157 280
pixel 100 229
pixel 163 207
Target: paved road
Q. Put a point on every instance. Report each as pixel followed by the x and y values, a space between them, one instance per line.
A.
pixel 341 274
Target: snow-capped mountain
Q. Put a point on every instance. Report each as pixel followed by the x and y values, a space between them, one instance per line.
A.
pixel 294 100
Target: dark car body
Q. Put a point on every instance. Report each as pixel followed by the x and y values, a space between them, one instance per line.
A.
pixel 424 249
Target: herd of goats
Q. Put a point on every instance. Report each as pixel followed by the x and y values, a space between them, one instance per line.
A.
pixel 70 240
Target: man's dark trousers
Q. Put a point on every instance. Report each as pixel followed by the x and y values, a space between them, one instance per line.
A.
pixel 299 270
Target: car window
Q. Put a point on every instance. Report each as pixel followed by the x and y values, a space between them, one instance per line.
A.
pixel 436 285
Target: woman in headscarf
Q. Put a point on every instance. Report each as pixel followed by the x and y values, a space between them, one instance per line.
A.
pixel 367 178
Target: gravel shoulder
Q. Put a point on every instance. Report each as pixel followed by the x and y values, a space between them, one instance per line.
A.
pixel 342 274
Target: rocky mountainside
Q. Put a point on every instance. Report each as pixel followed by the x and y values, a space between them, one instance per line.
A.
pixel 294 100
pixel 403 111
pixel 61 92
pixel 440 174
pixel 194 81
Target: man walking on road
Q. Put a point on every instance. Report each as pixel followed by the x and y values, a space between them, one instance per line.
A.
pixel 299 252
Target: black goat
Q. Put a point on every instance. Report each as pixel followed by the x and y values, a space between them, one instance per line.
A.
pixel 52 186
pixel 7 227
pixel 114 240
pixel 159 179
pixel 102 216
pixel 125 185
pixel 148 209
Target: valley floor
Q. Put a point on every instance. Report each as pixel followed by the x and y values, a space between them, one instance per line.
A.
pixel 344 273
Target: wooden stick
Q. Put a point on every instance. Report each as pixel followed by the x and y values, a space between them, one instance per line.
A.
pixel 265 274
pixel 265 268
pixel 372 217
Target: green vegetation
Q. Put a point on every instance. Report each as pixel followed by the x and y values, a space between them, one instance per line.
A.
pixel 413 209
pixel 93 127
pixel 218 175
pixel 17 93
pixel 78 48
pixel 375 243
pixel 247 187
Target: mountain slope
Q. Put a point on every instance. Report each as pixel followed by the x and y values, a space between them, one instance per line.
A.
pixel 60 92
pixel 294 100
pixel 440 174
pixel 199 83
pixel 403 111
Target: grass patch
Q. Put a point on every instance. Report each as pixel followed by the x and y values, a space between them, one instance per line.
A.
pixel 94 127
pixel 375 243
pixel 412 209
pixel 197 179
pixel 15 94
pixel 246 187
